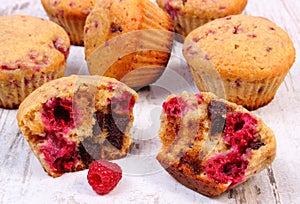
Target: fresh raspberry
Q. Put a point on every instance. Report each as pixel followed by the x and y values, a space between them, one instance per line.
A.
pixel 103 176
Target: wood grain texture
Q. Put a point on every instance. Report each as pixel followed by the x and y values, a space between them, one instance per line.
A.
pixel 22 180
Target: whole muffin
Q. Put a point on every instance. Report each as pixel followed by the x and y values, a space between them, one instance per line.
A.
pixel 190 14
pixel 130 40
pixel 33 51
pixel 242 58
pixel 71 15
pixel 211 145
pixel 71 121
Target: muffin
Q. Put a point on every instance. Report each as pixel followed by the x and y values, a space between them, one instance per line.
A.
pixel 190 14
pixel 130 40
pixel 211 145
pixel 33 52
pixel 242 58
pixel 72 121
pixel 71 15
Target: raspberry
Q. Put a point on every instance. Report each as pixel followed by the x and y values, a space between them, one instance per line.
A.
pixel 227 168
pixel 59 44
pixel 175 107
pixel 59 152
pixel 123 103
pixel 58 115
pixel 173 12
pixel 103 176
pixel 240 130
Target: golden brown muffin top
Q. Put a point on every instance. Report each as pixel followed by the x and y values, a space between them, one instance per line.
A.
pixel 69 7
pixel 31 44
pixel 241 46
pixel 203 8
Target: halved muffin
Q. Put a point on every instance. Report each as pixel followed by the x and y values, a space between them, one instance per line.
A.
pixel 70 122
pixel 211 145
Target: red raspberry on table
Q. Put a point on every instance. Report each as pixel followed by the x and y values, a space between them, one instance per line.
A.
pixel 103 176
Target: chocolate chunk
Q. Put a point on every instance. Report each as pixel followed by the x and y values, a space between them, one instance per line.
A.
pixel 216 113
pixel 114 124
pixel 257 145
pixel 115 28
pixel 97 128
pixel 89 149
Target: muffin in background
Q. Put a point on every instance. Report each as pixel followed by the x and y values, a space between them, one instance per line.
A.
pixel 33 51
pixel 241 58
pixel 190 14
pixel 130 40
pixel 71 15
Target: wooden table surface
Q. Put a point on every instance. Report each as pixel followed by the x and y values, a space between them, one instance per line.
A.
pixel 22 180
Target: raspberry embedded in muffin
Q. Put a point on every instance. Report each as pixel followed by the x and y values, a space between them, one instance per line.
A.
pixel 57 115
pixel 239 134
pixel 227 168
pixel 175 107
pixel 60 154
pixel 213 145
pixel 58 151
pixel 240 130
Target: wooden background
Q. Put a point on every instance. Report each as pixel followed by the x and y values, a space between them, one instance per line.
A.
pixel 22 179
